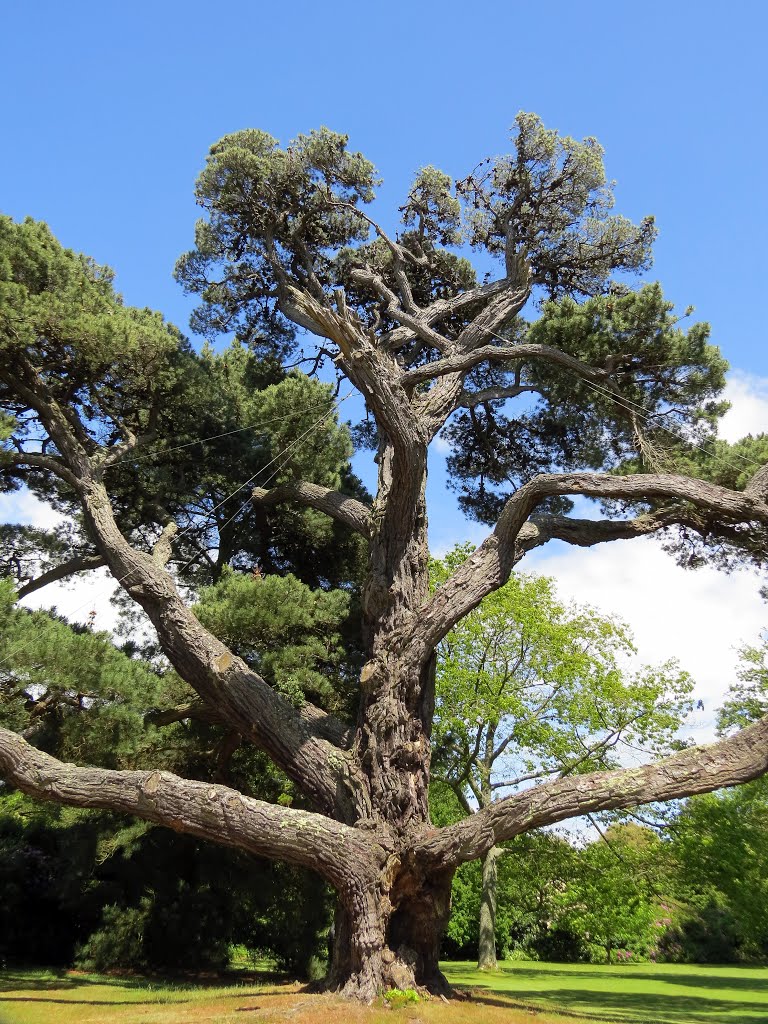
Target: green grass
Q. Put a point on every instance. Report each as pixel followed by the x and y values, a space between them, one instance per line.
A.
pixel 41 996
pixel 518 993
pixel 653 993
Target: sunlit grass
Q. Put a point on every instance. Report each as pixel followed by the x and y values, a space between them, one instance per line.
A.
pixel 519 993
pixel 655 993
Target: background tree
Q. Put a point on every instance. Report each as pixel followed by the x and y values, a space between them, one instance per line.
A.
pixel 529 689
pixel 613 899
pixel 531 875
pixel 285 244
pixel 720 843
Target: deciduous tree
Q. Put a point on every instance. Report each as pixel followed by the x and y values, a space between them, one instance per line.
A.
pixel 529 689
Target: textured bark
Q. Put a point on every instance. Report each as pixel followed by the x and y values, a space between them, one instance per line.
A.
pixel 397 696
pixel 342 507
pixel 393 940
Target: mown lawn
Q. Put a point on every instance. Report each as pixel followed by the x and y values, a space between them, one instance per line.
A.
pixel 647 993
pixel 519 993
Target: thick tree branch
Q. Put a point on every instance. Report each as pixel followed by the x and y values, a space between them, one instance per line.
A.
pixel 730 762
pixel 444 308
pixel 499 312
pixel 244 700
pixel 201 809
pixel 325 725
pixel 342 507
pixel 374 372
pixel 408 317
pixel 80 563
pixel 489 567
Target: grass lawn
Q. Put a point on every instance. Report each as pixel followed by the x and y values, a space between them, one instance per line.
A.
pixel 631 993
pixel 519 993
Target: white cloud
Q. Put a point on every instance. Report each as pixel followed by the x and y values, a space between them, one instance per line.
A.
pixel 441 445
pixel 74 598
pixel 748 414
pixel 77 597
pixel 23 507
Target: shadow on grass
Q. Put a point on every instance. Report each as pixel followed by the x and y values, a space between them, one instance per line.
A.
pixel 159 986
pixel 89 1002
pixel 158 990
pixel 629 1007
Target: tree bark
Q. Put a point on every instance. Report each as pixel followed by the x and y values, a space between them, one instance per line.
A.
pixel 392 940
pixel 397 699
pixel 486 955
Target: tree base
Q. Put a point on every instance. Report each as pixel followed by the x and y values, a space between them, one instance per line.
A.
pixel 384 970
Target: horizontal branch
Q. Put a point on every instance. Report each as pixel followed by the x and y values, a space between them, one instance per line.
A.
pixel 489 567
pixel 80 563
pixel 212 812
pixel 470 399
pixel 730 762
pixel 463 361
pixel 342 507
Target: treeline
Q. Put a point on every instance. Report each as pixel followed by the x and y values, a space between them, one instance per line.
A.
pixel 694 892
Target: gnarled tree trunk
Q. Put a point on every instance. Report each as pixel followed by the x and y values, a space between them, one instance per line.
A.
pixel 392 940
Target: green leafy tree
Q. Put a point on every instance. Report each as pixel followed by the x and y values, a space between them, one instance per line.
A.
pixel 532 870
pixel 720 841
pixel 286 245
pixel 529 689
pixel 613 899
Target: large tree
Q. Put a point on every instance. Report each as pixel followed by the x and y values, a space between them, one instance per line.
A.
pixel 285 245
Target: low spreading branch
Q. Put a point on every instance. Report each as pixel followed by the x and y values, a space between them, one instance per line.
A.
pixel 730 762
pixel 201 809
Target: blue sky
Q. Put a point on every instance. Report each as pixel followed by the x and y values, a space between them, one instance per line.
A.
pixel 108 111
